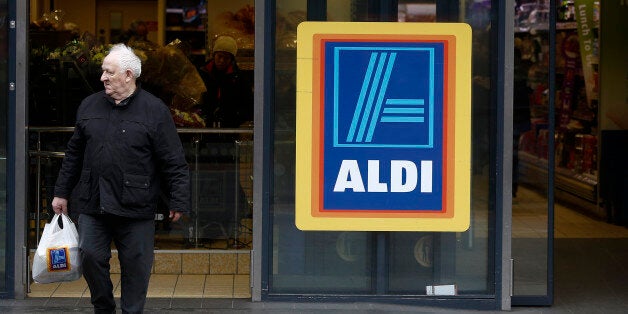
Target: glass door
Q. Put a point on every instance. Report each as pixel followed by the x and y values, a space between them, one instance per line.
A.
pixel 533 152
pixel 383 264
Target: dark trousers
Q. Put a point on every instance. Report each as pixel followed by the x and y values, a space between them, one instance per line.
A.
pixel 134 240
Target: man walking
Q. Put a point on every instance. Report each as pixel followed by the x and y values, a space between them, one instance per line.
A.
pixel 125 147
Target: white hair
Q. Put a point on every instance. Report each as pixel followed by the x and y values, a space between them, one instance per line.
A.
pixel 127 59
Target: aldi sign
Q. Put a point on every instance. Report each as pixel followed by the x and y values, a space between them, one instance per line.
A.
pixel 383 126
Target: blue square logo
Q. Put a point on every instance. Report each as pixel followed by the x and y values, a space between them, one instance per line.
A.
pixel 384 94
pixel 383 108
pixel 58 259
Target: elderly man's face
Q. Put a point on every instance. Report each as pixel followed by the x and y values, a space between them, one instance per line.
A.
pixel 118 83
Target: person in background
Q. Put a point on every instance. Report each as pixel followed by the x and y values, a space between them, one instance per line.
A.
pixel 228 102
pixel 124 148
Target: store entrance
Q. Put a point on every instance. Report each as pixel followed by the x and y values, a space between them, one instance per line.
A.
pixel 177 42
pixel 569 134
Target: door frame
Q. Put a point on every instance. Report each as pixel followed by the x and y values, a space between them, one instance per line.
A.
pixel 503 44
pixel 548 298
pixel 17 145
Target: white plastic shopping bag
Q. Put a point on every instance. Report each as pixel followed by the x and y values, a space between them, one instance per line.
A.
pixel 57 257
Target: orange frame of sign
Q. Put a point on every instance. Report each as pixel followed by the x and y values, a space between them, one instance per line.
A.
pixel 455 212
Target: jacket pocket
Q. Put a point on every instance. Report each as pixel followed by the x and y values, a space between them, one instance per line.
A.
pixel 84 186
pixel 136 190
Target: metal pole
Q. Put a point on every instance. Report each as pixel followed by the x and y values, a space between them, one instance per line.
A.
pixel 197 141
pixel 237 193
pixel 38 190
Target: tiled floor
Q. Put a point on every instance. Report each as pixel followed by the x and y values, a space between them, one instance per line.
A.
pixel 529 220
pixel 161 286
pixel 176 274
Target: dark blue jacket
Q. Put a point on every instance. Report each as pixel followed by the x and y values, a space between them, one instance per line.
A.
pixel 121 156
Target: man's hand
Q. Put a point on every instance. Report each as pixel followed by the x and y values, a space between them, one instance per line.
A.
pixel 60 205
pixel 174 216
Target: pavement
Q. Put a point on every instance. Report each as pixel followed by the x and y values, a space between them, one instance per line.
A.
pixel 162 305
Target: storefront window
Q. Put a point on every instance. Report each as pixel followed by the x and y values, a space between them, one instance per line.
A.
pixel 382 263
pixel 64 67
pixel 4 102
pixel 301 260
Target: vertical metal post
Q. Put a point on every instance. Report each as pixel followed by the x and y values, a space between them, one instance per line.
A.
pixel 38 190
pixel 551 145
pixel 197 141
pixel 503 74
pixel 265 18
pixel 236 224
pixel 17 158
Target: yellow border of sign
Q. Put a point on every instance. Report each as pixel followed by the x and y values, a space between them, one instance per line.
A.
pixel 306 37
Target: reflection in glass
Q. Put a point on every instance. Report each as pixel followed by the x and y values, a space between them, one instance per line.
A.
pixel 455 258
pixel 530 153
pixel 291 247
pixel 307 262
pixel 417 12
